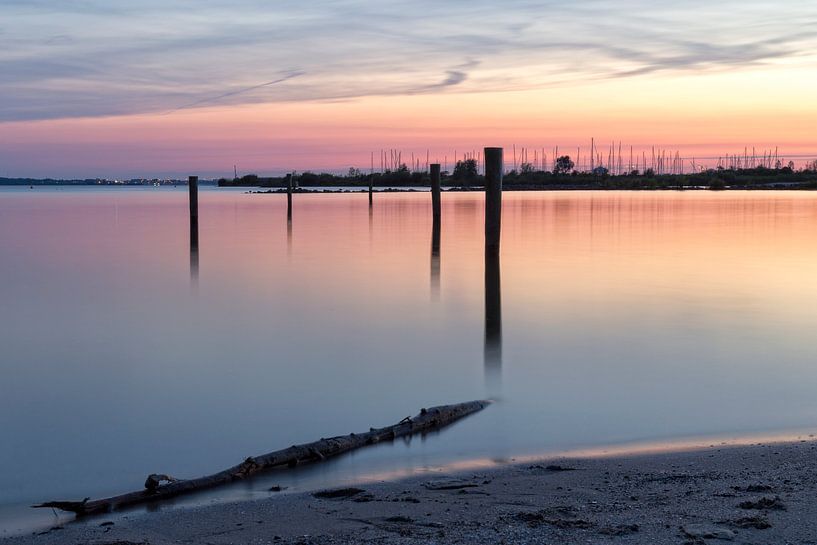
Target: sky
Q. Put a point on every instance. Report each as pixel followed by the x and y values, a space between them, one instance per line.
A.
pixel 116 88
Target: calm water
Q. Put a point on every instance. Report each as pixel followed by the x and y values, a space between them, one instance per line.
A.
pixel 624 316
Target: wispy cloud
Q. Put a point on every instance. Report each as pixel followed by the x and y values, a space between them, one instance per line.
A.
pixel 109 57
pixel 229 94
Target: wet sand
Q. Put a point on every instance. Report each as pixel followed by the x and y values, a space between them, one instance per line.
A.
pixel 764 493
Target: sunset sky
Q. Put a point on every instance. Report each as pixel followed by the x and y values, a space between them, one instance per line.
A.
pixel 115 88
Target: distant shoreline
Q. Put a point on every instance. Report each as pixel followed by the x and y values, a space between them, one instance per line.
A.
pixel 455 189
pixel 714 179
pixel 48 182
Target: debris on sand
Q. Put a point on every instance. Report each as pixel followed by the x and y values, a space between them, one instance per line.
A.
pixel 764 504
pixel 338 493
pixel 707 531
pixel 753 488
pixel 620 530
pixel 754 523
pixel 400 519
pixel 757 488
pixel 558 517
pixel 552 468
pixel 449 484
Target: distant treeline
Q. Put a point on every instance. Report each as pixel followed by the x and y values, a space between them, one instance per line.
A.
pixel 465 176
pixel 90 181
pixel 46 181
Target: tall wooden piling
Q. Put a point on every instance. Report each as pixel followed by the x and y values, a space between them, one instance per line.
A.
pixel 290 180
pixel 493 298
pixel 371 184
pixel 493 198
pixel 435 191
pixel 193 190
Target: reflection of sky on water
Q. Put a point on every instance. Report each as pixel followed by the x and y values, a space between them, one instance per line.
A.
pixel 625 316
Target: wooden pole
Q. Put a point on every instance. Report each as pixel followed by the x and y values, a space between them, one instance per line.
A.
pixel 493 198
pixel 493 224
pixel 193 190
pixel 434 170
pixel 290 177
pixel 435 191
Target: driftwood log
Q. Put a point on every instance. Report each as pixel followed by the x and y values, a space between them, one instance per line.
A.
pixel 428 420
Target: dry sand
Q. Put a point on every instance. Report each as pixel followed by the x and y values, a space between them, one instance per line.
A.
pixel 760 494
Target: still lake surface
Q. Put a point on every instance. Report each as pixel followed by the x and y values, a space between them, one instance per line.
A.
pixel 625 317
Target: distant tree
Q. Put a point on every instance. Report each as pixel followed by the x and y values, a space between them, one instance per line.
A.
pixel 563 165
pixel 526 168
pixel 716 184
pixel 600 171
pixel 649 173
pixel 465 170
pixel 307 179
pixel 353 173
pixel 402 168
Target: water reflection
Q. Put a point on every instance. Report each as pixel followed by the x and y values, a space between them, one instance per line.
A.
pixel 435 260
pixel 638 292
pixel 493 320
pixel 194 252
pixel 289 237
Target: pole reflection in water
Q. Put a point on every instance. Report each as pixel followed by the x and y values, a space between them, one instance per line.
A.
pixel 435 260
pixel 493 321
pixel 436 212
pixel 194 252
pixel 289 237
pixel 371 228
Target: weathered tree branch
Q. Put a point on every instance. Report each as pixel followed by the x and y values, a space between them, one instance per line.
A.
pixel 428 420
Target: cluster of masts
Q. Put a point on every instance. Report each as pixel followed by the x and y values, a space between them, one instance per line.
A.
pixel 767 159
pixel 613 159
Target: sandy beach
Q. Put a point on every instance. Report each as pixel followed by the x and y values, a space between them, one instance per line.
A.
pixel 763 493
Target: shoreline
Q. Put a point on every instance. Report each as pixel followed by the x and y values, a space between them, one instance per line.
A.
pixel 250 190
pixel 758 493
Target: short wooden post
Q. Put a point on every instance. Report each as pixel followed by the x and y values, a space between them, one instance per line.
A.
pixel 193 190
pixel 290 177
pixel 371 184
pixel 493 198
pixel 435 191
